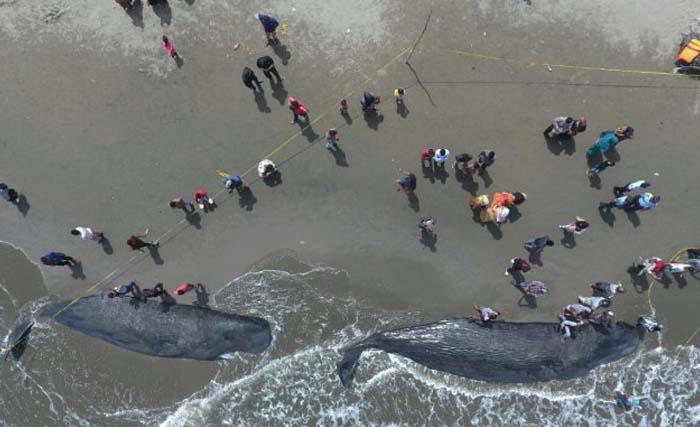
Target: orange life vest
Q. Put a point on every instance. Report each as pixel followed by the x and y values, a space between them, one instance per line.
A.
pixel 689 52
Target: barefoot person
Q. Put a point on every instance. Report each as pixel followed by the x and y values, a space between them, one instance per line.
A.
pixel 87 233
pixel 407 184
pixel 270 25
pixel 136 243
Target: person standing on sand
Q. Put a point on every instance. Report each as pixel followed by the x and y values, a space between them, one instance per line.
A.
pixel 270 25
pixel 9 194
pixel 426 158
pixel 440 157
pixel 87 233
pixel 136 244
pixel 332 139
pixel 620 191
pixel 407 184
pixel 427 224
pixel 234 182
pixel 267 65
pixel 461 163
pixel 180 203
pixel 486 314
pixel 170 48
pixel 202 199
pixel 538 244
pixel 565 126
pixel 579 226
pixel 517 265
pixel 343 107
pixel 57 258
pixel 249 78
pixel 485 159
pixel 399 93
pixel 298 109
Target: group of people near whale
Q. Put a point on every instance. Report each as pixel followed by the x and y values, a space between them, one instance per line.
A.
pixel 474 348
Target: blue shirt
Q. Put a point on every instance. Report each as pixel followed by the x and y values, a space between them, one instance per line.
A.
pixel 647 201
pixel 234 181
pixel 269 23
pixel 53 258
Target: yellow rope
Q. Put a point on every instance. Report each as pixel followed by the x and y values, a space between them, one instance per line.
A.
pixel 565 66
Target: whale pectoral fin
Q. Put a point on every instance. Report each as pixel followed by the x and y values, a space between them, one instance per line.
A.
pixel 348 366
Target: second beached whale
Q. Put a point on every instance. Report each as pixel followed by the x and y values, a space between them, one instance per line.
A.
pixel 500 351
pixel 164 330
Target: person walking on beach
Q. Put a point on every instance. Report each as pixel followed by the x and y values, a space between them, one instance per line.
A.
pixel 270 25
pixel 399 93
pixel 577 311
pixel 180 203
pixel 267 65
pixel 484 160
pixel 136 243
pixel 538 244
pixel 57 259
pixel 634 185
pixel 170 48
pixel 343 107
pixel 157 291
pixel 407 184
pixel 9 194
pixel 579 226
pixel 440 157
pixel 249 78
pixel 332 139
pixel 298 109
pixel 427 225
pixel 87 233
pixel 609 139
pixel 600 167
pixel 644 201
pixel 566 326
pixel 234 182
pixel 517 265
pixel 565 126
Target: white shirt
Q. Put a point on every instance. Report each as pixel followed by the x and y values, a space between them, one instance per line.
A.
pixel 439 158
pixel 86 233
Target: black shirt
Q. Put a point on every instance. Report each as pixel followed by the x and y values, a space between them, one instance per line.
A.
pixel 248 75
pixel 265 62
pixel 411 182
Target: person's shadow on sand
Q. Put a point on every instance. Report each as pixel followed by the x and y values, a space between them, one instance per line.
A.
pixel 106 246
pixel 262 102
pixel 401 110
pixel 640 283
pixel 339 156
pixel 441 174
pixel 634 218
pixel 607 216
pixel 282 52
pixel 594 181
pixel 136 14
pixel 413 201
pixel 162 9
pixel 373 119
pixel 309 133
pixel 76 270
pixel 428 172
pixel 273 180
pixel 534 256
pixel 195 220
pixel 346 116
pixel 467 181
pixel 495 230
pixel 23 205
pixel 487 178
pixel 568 241
pixel 179 61
pixel 429 240
pixel 279 92
pixel 246 198
pixel 155 254
pixel 561 144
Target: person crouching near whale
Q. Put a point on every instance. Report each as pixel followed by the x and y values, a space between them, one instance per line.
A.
pixel 577 311
pixel 487 314
pixel 123 290
pixel 186 287
pixel 146 293
pixel 603 318
pixel 566 326
pixel 594 302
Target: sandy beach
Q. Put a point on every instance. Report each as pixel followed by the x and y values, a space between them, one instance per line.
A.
pixel 102 129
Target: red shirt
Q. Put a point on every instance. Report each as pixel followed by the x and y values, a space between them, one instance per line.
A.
pixel 200 194
pixel 135 243
pixel 425 154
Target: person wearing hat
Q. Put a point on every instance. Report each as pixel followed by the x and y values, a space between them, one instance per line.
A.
pixel 609 139
pixel 270 25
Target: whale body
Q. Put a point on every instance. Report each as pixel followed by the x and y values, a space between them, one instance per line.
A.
pixel 164 330
pixel 500 351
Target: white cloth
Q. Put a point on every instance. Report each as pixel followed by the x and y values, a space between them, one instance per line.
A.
pixel 86 233
pixel 441 158
pixel 263 165
pixel 560 125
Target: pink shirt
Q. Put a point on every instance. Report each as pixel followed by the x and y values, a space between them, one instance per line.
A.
pixel 169 46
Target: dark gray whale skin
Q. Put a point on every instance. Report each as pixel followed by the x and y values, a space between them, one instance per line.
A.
pixel 499 351
pixel 164 330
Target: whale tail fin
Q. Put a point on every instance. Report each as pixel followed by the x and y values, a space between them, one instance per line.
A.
pixel 351 358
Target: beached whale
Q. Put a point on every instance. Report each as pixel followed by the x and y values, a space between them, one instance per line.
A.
pixel 500 351
pixel 164 330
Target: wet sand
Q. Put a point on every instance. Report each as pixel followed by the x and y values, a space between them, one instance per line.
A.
pixel 100 128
